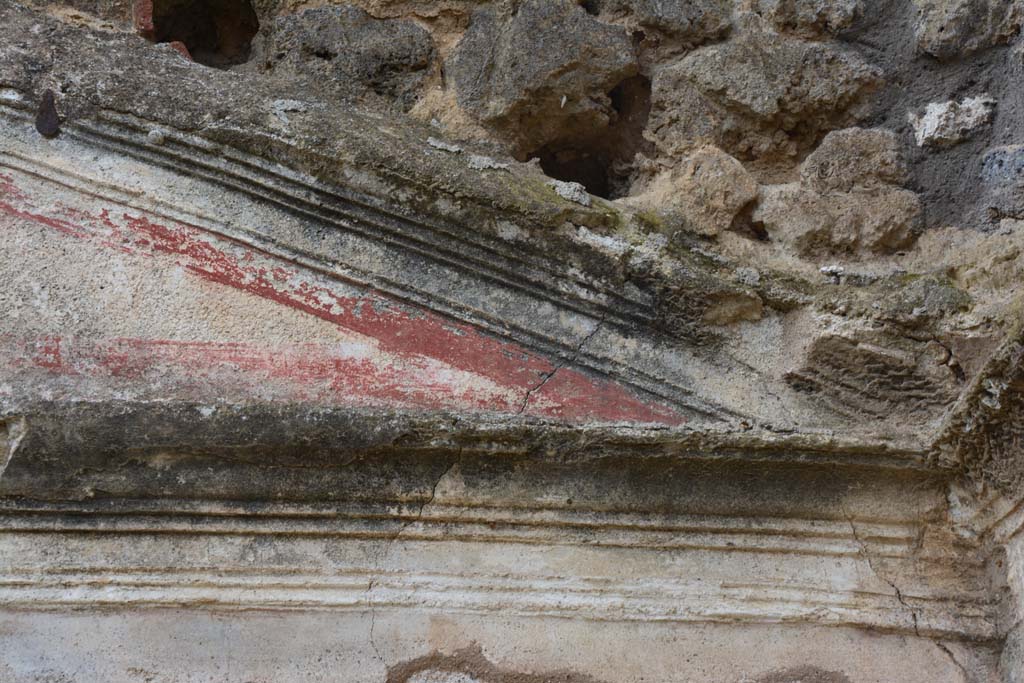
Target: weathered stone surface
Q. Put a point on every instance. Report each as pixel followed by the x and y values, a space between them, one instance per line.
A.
pixel 811 18
pixel 848 200
pixel 347 51
pixel 702 195
pixel 543 73
pixel 769 76
pixel 947 123
pixel 187 644
pixel 854 159
pixel 862 372
pixel 840 223
pixel 1002 176
pixel 691 23
pixel 989 263
pixel 947 29
pixel 574 192
pixel 761 94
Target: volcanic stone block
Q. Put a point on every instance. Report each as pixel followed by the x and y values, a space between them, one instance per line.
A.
pixel 346 51
pixel 541 74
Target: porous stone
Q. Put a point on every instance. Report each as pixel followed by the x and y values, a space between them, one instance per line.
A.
pixel 761 94
pixel 947 123
pixel 988 263
pixel 703 194
pixel 858 370
pixel 483 163
pixel 810 18
pixel 854 158
pixel 770 76
pixel 1002 176
pixel 848 200
pixel 839 223
pixel 444 146
pixel 734 308
pixel 346 51
pixel 948 29
pixel 540 73
pixel 691 23
pixel 573 192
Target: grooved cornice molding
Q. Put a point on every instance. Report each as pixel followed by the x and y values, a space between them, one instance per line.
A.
pixel 302 221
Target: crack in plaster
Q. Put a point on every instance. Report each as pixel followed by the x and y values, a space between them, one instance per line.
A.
pixel 382 561
pixel 13 431
pixel 967 675
pixel 867 557
pixel 570 361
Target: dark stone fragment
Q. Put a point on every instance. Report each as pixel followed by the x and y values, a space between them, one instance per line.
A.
pixel 541 74
pixel 1002 177
pixel 692 23
pixel 348 53
pixel 47 121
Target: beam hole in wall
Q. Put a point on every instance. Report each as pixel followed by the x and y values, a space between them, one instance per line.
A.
pixel 602 160
pixel 217 33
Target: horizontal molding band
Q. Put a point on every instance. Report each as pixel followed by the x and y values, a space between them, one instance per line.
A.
pixel 642 600
pixel 439 521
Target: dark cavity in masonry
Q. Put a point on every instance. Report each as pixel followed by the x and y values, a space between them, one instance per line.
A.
pixel 602 160
pixel 217 33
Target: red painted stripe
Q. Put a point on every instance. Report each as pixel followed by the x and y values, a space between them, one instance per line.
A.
pixel 407 332
pixel 236 371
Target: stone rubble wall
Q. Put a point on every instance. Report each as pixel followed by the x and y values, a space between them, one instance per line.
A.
pixel 621 94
